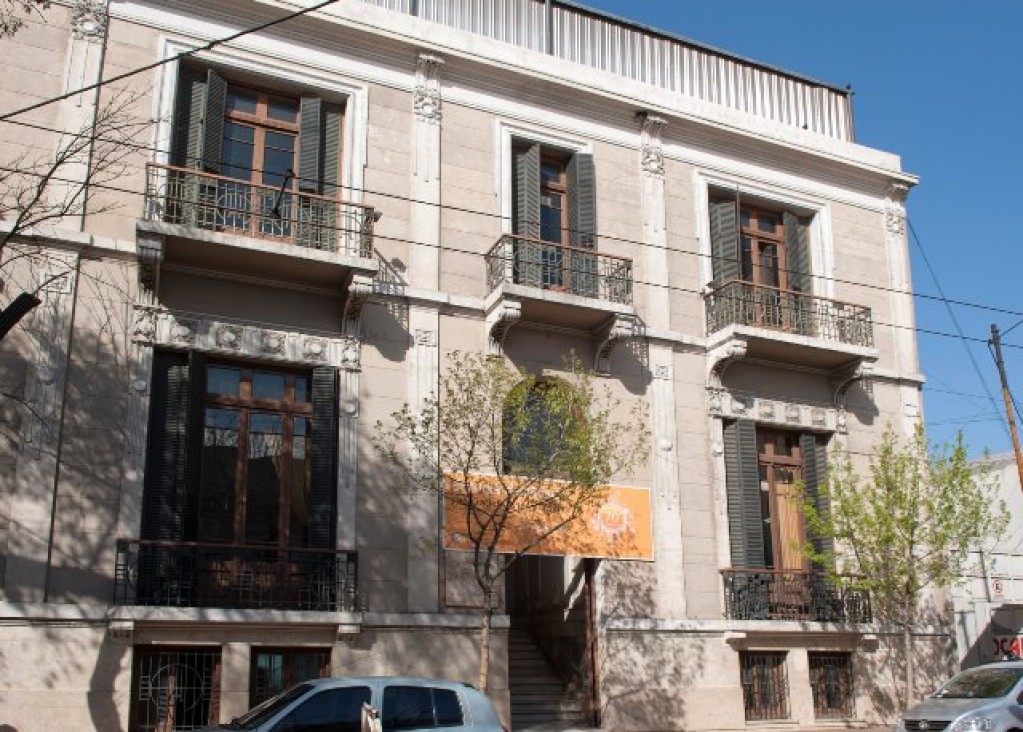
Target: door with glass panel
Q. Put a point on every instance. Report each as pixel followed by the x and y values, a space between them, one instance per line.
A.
pixel 255 469
pixel 762 263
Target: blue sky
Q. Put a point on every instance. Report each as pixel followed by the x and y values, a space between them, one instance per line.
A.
pixel 937 82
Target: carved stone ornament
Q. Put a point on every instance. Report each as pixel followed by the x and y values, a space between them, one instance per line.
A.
pixel 767 410
pixel 315 349
pixel 229 337
pixel 716 399
pixel 272 342
pixel 144 328
pixel 184 330
pixel 426 96
pixel 425 337
pixel 793 413
pixel 818 417
pixel 618 329
pixel 651 151
pixel 501 317
pixel 351 354
pixel 895 209
pixel 89 19
pixel 662 371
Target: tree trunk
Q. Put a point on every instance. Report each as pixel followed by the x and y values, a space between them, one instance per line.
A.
pixel 488 614
pixel 907 646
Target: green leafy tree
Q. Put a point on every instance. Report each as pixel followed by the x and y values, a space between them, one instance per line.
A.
pixel 910 525
pixel 517 458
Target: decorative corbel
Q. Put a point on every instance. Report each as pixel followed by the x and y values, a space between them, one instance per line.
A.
pixel 121 631
pixel 149 252
pixel 359 291
pixel 618 328
pixel 720 358
pixel 651 151
pixel 843 381
pixel 895 208
pixel 505 313
pixel 426 96
pixel 89 20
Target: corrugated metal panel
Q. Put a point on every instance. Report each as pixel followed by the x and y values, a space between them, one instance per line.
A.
pixel 641 55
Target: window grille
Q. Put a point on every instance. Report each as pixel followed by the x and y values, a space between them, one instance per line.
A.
pixel 175 690
pixel 765 689
pixel 832 682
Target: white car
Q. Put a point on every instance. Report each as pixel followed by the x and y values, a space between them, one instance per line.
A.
pixel 372 704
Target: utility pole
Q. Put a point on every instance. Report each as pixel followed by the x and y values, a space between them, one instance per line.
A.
pixel 996 341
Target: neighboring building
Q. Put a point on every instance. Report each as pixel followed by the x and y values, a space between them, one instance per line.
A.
pixel 193 514
pixel 988 606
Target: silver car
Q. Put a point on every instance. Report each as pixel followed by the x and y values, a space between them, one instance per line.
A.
pixel 981 699
pixel 377 703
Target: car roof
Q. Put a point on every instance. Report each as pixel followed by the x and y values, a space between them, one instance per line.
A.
pixel 391 681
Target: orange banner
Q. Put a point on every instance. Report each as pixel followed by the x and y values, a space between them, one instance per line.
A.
pixel 616 527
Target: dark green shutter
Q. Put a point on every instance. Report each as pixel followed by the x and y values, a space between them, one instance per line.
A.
pixel 742 483
pixel 582 201
pixel 163 497
pixel 310 145
pixel 332 117
pixel 724 240
pixel 813 448
pixel 195 441
pixel 186 141
pixel 797 250
pixel 582 224
pixel 323 491
pixel 526 191
pixel 213 121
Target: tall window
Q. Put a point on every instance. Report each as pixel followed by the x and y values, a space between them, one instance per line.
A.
pixel 274 670
pixel 762 248
pixel 832 682
pixel 780 466
pixel 256 457
pixel 765 689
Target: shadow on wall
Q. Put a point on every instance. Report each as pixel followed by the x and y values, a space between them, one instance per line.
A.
pixel 645 676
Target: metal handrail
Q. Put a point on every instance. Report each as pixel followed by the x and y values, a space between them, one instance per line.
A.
pixel 738 302
pixel 772 594
pixel 196 198
pixel 533 262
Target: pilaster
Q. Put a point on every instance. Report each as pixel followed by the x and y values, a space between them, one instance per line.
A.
pixel 655 237
pixel 424 251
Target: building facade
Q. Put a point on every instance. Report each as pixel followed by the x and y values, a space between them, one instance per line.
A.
pixel 320 211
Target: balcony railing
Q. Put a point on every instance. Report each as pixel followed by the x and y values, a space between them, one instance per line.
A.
pixel 203 200
pixel 524 261
pixel 765 594
pixel 744 303
pixel 191 574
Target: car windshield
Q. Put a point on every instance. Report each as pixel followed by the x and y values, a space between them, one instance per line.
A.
pixel 263 711
pixel 980 683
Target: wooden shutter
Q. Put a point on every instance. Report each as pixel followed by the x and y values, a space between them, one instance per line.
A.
pixel 186 142
pixel 813 448
pixel 582 201
pixel 724 240
pixel 163 505
pixel 213 120
pixel 195 439
pixel 797 249
pixel 323 489
pixel 310 144
pixel 582 224
pixel 742 484
pixel 526 191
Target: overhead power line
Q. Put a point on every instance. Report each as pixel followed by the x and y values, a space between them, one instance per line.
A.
pixel 156 64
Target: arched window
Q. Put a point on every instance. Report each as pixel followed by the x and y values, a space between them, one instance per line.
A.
pixel 541 428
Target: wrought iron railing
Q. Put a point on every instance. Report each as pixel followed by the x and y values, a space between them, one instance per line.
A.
pixel 193 574
pixel 525 261
pixel 766 594
pixel 193 197
pixel 744 303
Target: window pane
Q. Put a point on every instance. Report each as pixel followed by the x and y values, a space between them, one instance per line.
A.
pixel 744 217
pixel 449 711
pixel 550 217
pixel 746 260
pixel 769 274
pixel 286 110
pixel 407 707
pixel 339 710
pixel 278 157
pixel 241 100
pixel 275 671
pixel 301 389
pixel 267 386
pixel 550 173
pixel 223 381
pixel 263 479
pixel 218 470
pixel 767 222
pixel 301 473
pixel 237 151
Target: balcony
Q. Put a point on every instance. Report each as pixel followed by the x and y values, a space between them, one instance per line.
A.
pixel 765 594
pixel 790 327
pixel 190 574
pixel 552 284
pixel 217 222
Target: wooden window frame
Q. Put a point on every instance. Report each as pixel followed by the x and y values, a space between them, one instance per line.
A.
pixel 817 661
pixel 767 458
pixel 244 402
pixel 261 122
pixel 291 678
pixel 757 237
pixel 760 670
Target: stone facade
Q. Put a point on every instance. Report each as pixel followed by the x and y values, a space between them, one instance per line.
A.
pixel 176 263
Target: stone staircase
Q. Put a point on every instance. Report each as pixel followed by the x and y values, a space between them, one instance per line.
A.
pixel 538 699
